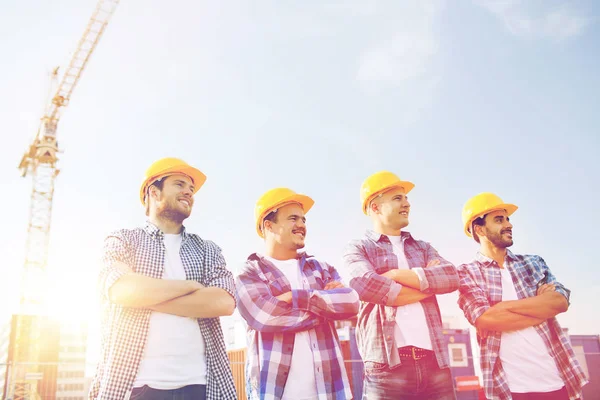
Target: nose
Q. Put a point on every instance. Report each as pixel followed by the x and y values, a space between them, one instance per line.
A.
pixel 508 223
pixel 301 224
pixel 187 191
pixel 406 203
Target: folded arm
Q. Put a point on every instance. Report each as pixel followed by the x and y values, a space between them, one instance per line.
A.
pixel 215 299
pixel 475 305
pixel 265 312
pixel 334 301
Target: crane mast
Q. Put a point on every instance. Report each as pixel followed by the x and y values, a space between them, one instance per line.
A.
pixel 40 162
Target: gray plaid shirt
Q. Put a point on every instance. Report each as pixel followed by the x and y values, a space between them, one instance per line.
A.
pixel 125 330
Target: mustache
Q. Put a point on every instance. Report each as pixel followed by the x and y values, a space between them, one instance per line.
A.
pixel 506 231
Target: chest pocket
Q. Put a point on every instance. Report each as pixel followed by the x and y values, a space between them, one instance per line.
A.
pixel 149 258
pixel 192 257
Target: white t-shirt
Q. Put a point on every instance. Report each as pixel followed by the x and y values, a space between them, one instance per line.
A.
pixel 528 365
pixel 411 323
pixel 301 383
pixel 175 354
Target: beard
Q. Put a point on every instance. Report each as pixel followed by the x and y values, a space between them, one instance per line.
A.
pixel 499 241
pixel 171 211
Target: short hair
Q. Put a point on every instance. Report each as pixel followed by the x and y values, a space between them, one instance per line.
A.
pixel 479 221
pixel 271 216
pixel 159 184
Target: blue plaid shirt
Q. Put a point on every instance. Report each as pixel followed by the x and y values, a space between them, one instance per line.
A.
pixel 481 288
pixel 272 326
pixel 366 259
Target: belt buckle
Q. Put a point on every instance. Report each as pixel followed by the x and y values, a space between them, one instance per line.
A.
pixel 415 356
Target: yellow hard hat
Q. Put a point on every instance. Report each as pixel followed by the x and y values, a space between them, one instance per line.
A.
pixel 170 166
pixel 378 183
pixel 480 205
pixel 275 198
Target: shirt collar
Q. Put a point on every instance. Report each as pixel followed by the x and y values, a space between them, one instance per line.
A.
pixel 376 236
pixel 156 233
pixel 485 260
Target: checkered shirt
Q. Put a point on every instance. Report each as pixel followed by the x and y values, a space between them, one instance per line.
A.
pixel 481 288
pixel 125 329
pixel 272 326
pixel 365 260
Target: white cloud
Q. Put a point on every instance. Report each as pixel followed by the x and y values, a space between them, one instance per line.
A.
pixel 406 50
pixel 522 19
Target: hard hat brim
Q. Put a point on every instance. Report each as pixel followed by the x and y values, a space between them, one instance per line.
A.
pixel 406 185
pixel 305 201
pixel 509 208
pixel 195 175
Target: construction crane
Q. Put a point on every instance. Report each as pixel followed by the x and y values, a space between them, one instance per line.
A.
pixel 40 162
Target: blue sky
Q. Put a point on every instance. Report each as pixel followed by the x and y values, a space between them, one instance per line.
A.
pixel 458 97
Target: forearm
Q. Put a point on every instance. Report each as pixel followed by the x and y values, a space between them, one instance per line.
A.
pixel 501 319
pixel 544 306
pixel 335 304
pixel 135 290
pixel 409 295
pixel 209 302
pixel 405 277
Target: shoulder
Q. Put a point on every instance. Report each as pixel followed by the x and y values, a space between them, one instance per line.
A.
pixel 125 236
pixel 469 267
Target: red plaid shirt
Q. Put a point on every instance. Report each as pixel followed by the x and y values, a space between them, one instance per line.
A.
pixel 481 288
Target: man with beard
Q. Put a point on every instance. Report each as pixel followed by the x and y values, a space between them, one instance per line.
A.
pixel 512 300
pixel 163 290
pixel 399 329
pixel 289 301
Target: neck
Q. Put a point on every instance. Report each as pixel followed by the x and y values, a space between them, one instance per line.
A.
pixel 166 225
pixel 495 253
pixel 386 230
pixel 278 252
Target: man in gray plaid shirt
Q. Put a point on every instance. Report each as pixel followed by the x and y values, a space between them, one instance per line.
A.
pixel 163 290
pixel 399 328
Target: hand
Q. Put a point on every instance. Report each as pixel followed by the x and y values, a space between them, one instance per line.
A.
pixel 333 285
pixel 433 263
pixel 287 297
pixel 547 287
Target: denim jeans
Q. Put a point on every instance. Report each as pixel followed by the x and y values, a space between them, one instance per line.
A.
pixel 414 379
pixel 191 392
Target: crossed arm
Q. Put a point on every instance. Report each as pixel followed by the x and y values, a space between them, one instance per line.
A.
pixel 121 285
pixel 293 311
pixel 511 315
pixel 399 287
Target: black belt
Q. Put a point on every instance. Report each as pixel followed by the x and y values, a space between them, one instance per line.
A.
pixel 414 353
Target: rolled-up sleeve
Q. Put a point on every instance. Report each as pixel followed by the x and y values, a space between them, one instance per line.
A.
pixel 115 250
pixel 370 286
pixel 472 299
pixel 559 287
pixel 219 275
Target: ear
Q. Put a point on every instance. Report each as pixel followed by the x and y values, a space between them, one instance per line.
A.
pixel 373 207
pixel 267 226
pixel 153 192
pixel 479 230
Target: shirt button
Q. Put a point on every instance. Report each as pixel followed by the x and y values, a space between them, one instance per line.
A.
pixel 388 337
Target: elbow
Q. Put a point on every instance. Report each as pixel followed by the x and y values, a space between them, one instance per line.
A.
pixel 227 306
pixel 563 305
pixel 483 323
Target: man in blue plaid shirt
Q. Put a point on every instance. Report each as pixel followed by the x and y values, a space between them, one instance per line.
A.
pixel 512 300
pixel 290 300
pixel 399 330
pixel 163 290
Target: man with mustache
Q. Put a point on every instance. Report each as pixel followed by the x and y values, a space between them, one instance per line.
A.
pixel 399 329
pixel 163 290
pixel 512 300
pixel 289 301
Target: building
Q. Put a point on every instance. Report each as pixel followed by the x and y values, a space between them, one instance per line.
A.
pixel 587 350
pixel 71 383
pixel 4 341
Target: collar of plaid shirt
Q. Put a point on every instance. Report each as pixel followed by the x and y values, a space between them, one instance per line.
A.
pixel 481 284
pixel 125 329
